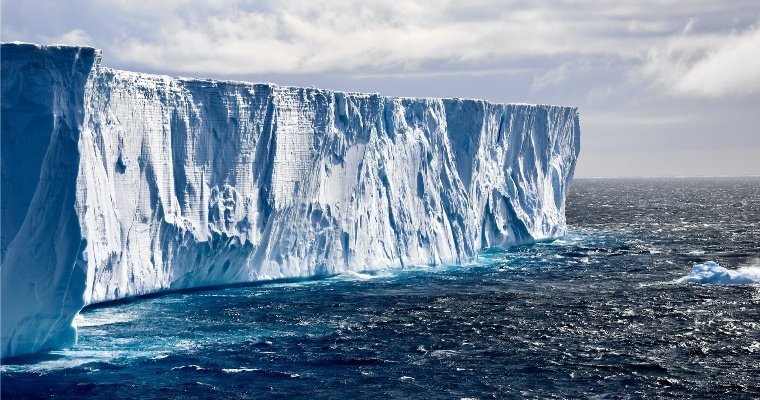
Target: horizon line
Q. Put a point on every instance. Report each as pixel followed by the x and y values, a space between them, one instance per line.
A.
pixel 665 176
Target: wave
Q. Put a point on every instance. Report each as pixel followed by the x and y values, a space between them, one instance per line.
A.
pixel 360 276
pixel 712 273
pixel 238 370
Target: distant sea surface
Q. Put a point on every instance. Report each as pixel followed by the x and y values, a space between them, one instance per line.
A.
pixel 612 310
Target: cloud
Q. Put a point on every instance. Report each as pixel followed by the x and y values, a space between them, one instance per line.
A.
pixel 551 78
pixel 731 69
pixel 75 37
pixel 560 74
pixel 706 65
pixel 659 40
pixel 310 37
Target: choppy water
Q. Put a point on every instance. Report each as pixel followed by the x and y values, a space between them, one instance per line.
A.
pixel 596 313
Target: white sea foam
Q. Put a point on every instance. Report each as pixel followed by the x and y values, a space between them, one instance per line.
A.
pixel 238 370
pixel 712 273
pixel 359 276
pixel 104 317
pixel 74 358
pixel 356 276
pixel 191 367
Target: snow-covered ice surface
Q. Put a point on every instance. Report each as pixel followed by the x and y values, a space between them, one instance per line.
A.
pixel 116 184
pixel 712 273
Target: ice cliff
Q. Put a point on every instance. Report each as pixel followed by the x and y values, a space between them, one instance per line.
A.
pixel 116 184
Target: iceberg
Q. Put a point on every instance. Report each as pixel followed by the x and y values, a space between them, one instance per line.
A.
pixel 119 184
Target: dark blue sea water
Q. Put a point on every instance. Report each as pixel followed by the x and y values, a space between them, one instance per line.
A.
pixel 594 314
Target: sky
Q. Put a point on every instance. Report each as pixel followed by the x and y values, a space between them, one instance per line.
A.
pixel 663 88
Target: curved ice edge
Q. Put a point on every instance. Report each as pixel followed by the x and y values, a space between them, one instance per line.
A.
pixel 711 273
pixel 482 260
pixel 346 275
pixel 201 289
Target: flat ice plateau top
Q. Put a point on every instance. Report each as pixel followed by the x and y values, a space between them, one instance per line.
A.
pixel 117 184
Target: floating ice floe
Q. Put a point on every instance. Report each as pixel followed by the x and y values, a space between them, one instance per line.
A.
pixel 712 273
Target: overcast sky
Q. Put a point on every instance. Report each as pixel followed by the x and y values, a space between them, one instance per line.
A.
pixel 663 88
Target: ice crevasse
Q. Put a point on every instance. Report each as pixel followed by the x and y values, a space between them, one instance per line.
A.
pixel 117 184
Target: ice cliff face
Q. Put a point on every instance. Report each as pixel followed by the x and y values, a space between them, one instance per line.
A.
pixel 117 184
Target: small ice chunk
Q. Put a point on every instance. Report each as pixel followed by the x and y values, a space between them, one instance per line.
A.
pixel 712 273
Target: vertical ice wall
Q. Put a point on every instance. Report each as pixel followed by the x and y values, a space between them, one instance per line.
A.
pixel 173 183
pixel 42 113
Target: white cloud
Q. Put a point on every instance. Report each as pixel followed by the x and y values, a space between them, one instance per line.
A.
pixel 560 74
pixel 707 65
pixel 662 41
pixel 75 37
pixel 731 69
pixel 551 78
pixel 304 37
pixel 308 36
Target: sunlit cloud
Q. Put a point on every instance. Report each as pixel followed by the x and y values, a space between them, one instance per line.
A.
pixel 298 37
pixel 706 65
pixel 75 37
pixel 659 41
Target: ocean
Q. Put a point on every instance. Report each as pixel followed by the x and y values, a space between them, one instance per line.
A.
pixel 615 309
